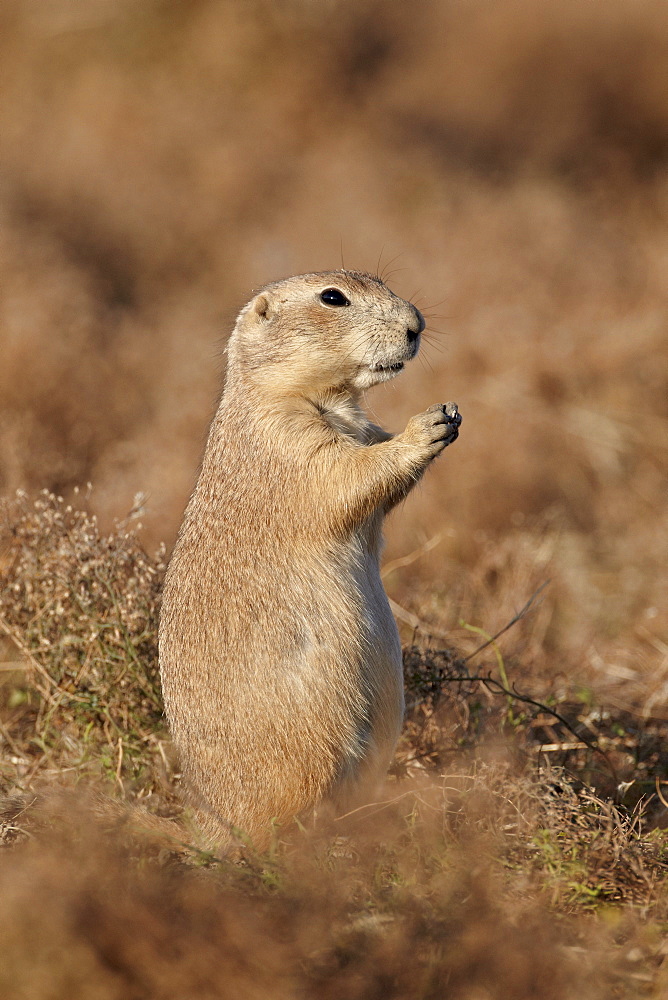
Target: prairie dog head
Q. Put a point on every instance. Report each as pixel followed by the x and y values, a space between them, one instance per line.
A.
pixel 333 331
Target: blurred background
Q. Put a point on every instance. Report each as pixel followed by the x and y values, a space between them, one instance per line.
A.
pixel 504 163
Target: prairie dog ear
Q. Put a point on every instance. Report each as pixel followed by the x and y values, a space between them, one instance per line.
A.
pixel 262 307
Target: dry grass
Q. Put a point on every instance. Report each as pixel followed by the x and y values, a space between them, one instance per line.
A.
pixel 78 617
pixel 157 161
pixel 485 869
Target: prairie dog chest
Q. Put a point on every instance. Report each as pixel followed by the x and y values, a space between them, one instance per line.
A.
pixel 346 420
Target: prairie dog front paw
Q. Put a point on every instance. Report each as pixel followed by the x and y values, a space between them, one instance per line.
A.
pixel 434 429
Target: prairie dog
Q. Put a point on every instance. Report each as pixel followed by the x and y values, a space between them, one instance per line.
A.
pixel 279 656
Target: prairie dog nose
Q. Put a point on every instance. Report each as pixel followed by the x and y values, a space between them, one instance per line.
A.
pixel 411 332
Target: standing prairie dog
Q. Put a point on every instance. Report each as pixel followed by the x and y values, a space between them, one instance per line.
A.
pixel 280 659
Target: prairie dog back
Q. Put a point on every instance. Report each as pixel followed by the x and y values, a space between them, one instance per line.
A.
pixel 279 656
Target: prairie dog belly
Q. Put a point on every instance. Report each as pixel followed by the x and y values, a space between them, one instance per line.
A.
pixel 379 668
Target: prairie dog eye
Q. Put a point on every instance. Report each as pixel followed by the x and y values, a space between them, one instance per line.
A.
pixel 333 297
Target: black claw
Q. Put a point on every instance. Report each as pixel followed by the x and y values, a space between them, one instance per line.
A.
pixel 452 415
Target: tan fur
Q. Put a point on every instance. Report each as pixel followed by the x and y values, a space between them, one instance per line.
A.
pixel 280 659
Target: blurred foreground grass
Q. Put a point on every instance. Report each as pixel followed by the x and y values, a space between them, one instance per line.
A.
pixel 505 856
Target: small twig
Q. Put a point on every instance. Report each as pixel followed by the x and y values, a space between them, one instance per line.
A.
pixel 518 617
pixel 413 556
pixel 558 747
pixel 4 732
pixel 660 793
pixel 497 687
pixel 32 663
pixel 491 683
pixel 380 805
pixel 429 630
pixel 410 619
pixel 119 765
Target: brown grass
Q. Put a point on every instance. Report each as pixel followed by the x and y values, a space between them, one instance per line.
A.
pixel 78 617
pixel 506 163
pixel 489 864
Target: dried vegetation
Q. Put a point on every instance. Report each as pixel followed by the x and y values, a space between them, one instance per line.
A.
pixel 157 161
pixel 486 869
